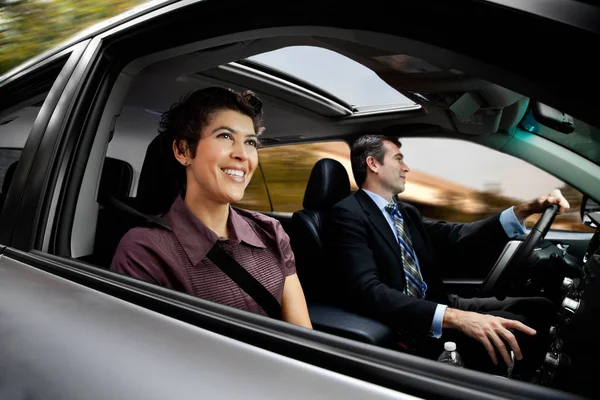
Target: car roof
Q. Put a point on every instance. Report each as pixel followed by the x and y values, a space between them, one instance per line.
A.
pixel 580 14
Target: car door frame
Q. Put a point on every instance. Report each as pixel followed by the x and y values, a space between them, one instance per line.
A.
pixel 31 174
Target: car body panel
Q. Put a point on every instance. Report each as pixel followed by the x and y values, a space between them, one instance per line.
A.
pixel 66 341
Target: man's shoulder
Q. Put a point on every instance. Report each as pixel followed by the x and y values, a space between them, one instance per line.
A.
pixel 409 207
pixel 348 208
pixel 348 202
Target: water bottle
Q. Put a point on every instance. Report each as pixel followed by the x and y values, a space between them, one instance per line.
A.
pixel 450 356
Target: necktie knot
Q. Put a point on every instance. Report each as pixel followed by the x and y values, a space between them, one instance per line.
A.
pixel 392 208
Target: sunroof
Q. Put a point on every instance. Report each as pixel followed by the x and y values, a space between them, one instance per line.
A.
pixel 339 75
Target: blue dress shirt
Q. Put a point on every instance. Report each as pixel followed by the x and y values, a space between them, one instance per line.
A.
pixel 508 220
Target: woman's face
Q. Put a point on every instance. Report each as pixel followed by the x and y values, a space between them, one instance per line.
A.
pixel 225 160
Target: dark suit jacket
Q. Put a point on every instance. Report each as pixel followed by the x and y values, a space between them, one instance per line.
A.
pixel 367 263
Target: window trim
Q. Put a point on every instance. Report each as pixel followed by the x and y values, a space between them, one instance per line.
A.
pixel 30 176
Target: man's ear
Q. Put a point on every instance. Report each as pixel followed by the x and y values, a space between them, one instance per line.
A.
pixel 372 164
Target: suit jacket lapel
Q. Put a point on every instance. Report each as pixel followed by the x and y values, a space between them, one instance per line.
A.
pixel 378 220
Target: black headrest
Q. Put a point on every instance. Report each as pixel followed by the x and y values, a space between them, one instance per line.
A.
pixel 161 178
pixel 328 184
pixel 117 176
pixel 10 171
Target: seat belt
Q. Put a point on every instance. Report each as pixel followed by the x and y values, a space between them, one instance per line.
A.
pixel 217 256
pixel 245 280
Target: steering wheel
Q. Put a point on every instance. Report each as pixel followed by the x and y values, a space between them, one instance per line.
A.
pixel 513 255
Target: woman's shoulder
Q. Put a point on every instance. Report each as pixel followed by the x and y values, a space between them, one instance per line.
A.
pixel 259 220
pixel 144 236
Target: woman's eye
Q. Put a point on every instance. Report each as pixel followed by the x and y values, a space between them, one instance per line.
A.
pixel 225 136
pixel 252 143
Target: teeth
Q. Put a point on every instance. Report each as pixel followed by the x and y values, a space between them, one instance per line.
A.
pixel 234 172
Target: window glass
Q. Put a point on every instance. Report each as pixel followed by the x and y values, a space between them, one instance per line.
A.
pixel 256 196
pixel 15 125
pixel 455 180
pixel 286 171
pixel 332 72
pixel 8 157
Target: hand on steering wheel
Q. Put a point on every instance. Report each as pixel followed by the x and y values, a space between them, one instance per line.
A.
pixel 501 274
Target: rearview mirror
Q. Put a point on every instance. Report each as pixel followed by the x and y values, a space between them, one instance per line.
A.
pixel 539 115
pixel 552 118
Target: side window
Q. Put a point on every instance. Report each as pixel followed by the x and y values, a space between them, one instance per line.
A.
pixel 15 125
pixel 458 181
pixel 8 163
pixel 21 100
pixel 285 172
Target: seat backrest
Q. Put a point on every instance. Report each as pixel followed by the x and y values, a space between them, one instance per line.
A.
pixel 328 184
pixel 116 179
pixel 161 178
pixel 115 182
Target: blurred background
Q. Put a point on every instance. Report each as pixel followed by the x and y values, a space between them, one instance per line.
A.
pixel 28 27
pixel 450 180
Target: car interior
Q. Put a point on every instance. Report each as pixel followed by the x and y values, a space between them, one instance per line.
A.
pixel 126 180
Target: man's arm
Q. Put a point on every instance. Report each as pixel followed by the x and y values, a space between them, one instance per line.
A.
pixel 459 237
pixel 355 268
pixel 489 330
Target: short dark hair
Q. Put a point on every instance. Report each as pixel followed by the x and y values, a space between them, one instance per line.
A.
pixel 364 147
pixel 186 119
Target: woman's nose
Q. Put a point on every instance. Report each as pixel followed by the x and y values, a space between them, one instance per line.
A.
pixel 239 152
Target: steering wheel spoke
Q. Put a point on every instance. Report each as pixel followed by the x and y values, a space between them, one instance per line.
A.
pixel 514 256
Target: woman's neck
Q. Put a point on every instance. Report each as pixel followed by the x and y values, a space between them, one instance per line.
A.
pixel 213 215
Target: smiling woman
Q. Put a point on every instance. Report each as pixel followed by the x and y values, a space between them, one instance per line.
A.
pixel 204 246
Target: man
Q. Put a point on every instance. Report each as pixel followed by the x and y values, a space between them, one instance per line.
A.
pixel 387 258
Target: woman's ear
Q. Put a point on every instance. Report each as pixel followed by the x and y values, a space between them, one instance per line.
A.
pixel 180 150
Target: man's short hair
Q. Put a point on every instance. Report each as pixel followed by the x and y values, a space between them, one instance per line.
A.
pixel 365 146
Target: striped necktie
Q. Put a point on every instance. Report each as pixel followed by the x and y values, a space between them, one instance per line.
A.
pixel 414 281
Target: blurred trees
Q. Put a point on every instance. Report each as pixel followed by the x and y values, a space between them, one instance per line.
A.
pixel 29 27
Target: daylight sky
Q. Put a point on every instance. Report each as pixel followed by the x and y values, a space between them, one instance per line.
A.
pixel 458 161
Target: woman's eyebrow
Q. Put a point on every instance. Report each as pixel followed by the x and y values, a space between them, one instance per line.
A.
pixel 226 128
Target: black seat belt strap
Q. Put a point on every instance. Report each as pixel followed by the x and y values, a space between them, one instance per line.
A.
pixel 245 280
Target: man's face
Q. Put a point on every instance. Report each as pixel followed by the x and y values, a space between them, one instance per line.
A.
pixel 392 173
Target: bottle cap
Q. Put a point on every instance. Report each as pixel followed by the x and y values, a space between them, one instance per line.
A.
pixel 450 346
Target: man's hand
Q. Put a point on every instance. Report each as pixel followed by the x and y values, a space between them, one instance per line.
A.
pixel 489 330
pixel 538 205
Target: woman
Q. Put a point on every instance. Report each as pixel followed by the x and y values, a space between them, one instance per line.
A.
pixel 214 135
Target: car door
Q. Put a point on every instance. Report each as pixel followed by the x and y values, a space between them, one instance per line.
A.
pixel 72 330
